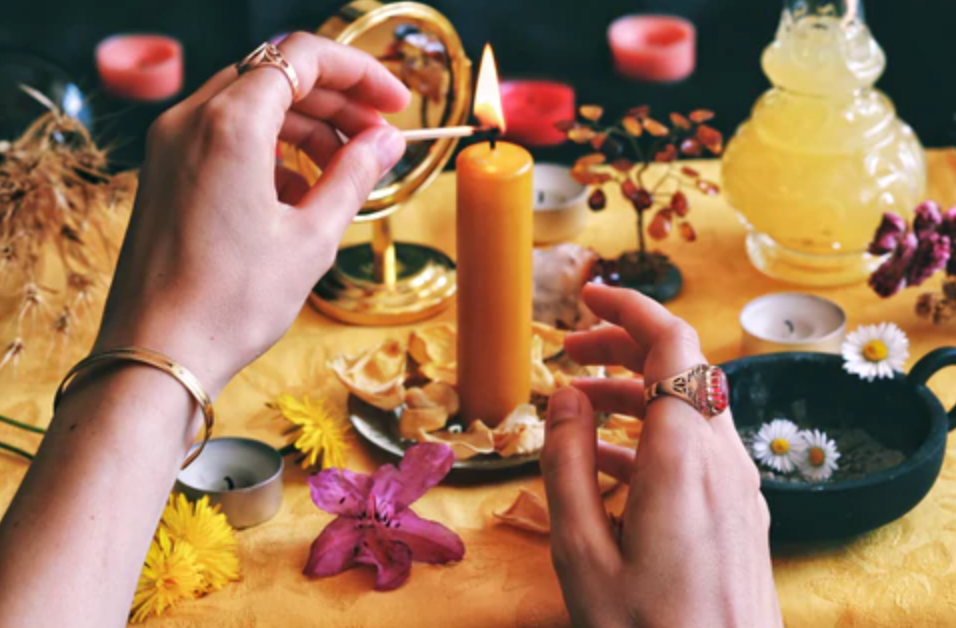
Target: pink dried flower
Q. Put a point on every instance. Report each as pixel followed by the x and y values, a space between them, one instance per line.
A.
pixel 890 277
pixel 888 234
pixel 931 255
pixel 928 218
pixel 375 524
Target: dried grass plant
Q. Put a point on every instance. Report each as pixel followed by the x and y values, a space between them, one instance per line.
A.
pixel 60 208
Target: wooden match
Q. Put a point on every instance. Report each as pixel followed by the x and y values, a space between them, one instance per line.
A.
pixel 421 135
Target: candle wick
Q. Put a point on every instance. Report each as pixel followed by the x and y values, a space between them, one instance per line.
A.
pixel 790 326
pixel 230 483
pixel 493 134
pixel 541 196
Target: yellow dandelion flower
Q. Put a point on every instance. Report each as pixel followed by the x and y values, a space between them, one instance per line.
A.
pixel 321 433
pixel 169 575
pixel 209 534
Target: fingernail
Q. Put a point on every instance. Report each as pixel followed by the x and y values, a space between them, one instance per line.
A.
pixel 565 402
pixel 390 146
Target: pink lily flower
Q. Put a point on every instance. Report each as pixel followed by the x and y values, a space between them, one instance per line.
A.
pixel 375 525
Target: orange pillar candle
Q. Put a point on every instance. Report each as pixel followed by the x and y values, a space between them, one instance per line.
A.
pixel 495 234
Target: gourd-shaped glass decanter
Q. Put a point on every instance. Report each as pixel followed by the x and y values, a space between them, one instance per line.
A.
pixel 823 155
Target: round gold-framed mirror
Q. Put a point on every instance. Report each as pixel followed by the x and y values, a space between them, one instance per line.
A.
pixel 386 282
pixel 420 46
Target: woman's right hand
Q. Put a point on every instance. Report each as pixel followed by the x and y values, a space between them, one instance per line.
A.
pixel 694 548
pixel 224 245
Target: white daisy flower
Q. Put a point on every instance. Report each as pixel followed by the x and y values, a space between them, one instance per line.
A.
pixel 875 351
pixel 819 460
pixel 778 445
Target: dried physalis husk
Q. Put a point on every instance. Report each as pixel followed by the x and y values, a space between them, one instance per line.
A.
pixel 679 204
pixel 597 200
pixel 427 409
pixel 552 340
pixel 435 344
pixel 655 128
pixel 680 121
pixel 592 159
pixel 527 512
pixel 622 165
pixel 691 147
pixel 542 379
pixel 633 126
pixel 660 226
pixel 475 441
pixel 707 187
pixel 687 232
pixel 591 112
pixel 376 375
pixel 581 134
pixel 667 155
pixel 521 433
pixel 711 138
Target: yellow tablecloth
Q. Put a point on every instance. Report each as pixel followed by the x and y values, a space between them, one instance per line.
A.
pixel 901 575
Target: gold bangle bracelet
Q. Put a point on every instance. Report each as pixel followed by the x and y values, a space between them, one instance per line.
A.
pixel 158 361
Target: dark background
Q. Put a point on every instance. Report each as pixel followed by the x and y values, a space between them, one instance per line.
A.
pixel 560 39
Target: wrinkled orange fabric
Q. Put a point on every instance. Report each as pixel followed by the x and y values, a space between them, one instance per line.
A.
pixel 901 575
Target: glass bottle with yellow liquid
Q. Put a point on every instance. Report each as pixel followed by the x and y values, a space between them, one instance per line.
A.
pixel 823 155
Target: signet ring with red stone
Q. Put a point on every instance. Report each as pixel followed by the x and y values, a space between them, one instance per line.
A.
pixel 704 387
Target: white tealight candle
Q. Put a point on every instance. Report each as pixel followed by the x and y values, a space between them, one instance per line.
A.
pixel 560 204
pixel 791 321
pixel 242 475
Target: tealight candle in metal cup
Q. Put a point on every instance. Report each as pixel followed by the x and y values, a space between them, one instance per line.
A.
pixel 792 321
pixel 242 475
pixel 560 204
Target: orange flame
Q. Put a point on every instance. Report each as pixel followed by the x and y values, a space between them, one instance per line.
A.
pixel 488 93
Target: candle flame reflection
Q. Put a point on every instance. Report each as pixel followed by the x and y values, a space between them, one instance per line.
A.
pixel 488 108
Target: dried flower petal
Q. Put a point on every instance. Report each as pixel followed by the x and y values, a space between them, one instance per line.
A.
pixel 581 134
pixel 592 159
pixel 689 172
pixel 598 141
pixel 679 204
pixel 591 112
pixel 687 232
pixel 566 125
pixel 888 234
pixel 680 121
pixel 711 138
pixel 667 155
pixel 597 200
pixel 633 126
pixel 527 512
pixel 640 112
pixel 691 147
pixel 927 218
pixel 630 190
pixel 707 187
pixel 660 226
pixel 701 115
pixel 655 128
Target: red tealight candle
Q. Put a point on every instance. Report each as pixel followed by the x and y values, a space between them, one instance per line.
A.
pixel 532 108
pixel 140 67
pixel 653 47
